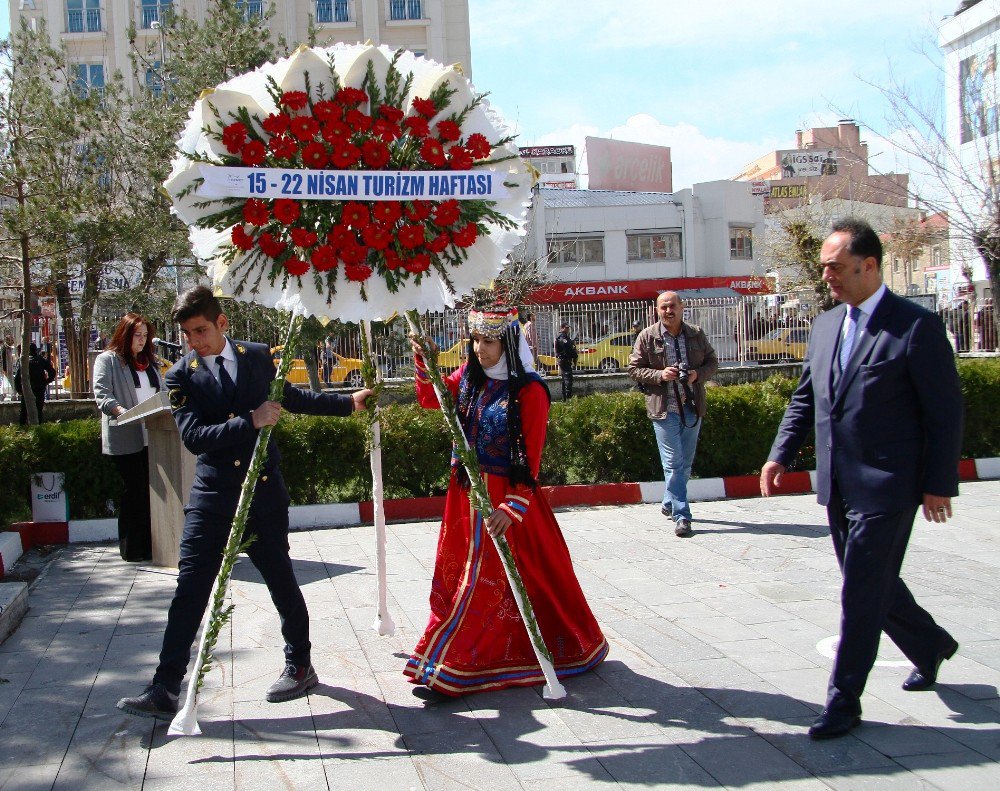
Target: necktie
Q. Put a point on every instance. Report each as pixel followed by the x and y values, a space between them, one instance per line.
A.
pixel 847 345
pixel 228 385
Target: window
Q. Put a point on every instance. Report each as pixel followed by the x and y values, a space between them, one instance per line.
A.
pixel 741 243
pixel 155 11
pixel 936 256
pixel 83 16
pixel 405 9
pixel 895 264
pixel 332 11
pixel 654 247
pixel 252 9
pixel 581 250
pixel 154 80
pixel 88 77
pixel 916 264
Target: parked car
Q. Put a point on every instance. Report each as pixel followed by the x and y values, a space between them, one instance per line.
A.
pixel 609 353
pixel 344 371
pixel 783 343
pixel 451 358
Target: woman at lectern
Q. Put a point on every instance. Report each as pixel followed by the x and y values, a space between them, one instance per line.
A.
pixel 126 374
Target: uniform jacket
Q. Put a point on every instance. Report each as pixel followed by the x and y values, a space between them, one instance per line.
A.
pixel 649 358
pixel 892 430
pixel 114 387
pixel 222 434
pixel 40 373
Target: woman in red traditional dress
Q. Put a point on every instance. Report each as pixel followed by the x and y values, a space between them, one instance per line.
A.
pixel 475 639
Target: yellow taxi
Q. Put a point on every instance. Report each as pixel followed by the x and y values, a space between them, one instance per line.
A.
pixel 452 357
pixel 783 343
pixel 344 371
pixel 609 353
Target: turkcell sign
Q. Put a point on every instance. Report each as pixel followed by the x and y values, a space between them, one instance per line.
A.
pixel 364 185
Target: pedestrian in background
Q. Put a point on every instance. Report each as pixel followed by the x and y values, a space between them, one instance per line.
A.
pixel 879 387
pixel 531 336
pixel 566 355
pixel 125 375
pixel 672 360
pixel 40 373
pixel 7 363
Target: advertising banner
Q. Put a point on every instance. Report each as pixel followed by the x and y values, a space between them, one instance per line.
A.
pixel 814 162
pixel 617 165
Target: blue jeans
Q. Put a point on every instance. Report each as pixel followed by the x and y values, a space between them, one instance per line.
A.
pixel 677 444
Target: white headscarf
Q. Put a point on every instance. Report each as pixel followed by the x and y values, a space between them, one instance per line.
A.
pixel 499 370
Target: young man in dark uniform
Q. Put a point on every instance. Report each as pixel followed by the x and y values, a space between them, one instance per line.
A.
pixel 219 398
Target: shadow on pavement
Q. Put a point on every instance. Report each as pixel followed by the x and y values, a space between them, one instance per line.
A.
pixel 772 528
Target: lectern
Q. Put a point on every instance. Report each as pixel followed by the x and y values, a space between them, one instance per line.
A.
pixel 171 471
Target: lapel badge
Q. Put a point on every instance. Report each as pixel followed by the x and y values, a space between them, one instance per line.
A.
pixel 241 348
pixel 194 364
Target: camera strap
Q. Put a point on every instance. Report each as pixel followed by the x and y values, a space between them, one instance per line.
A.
pixel 687 388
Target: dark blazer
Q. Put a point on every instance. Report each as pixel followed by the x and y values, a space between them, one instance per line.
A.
pixel 892 431
pixel 222 434
pixel 649 358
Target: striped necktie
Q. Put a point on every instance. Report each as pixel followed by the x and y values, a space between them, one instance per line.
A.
pixel 847 345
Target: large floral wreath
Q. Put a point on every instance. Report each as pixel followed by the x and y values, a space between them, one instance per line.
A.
pixel 364 128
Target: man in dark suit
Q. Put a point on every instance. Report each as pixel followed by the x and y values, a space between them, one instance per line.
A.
pixel 880 387
pixel 40 374
pixel 219 397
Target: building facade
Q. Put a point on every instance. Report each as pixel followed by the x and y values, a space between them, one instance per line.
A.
pixel 97 32
pixel 969 41
pixel 826 163
pixel 555 166
pixel 919 262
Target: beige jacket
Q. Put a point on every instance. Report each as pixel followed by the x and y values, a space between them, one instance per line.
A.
pixel 649 358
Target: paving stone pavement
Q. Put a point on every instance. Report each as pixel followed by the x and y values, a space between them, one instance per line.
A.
pixel 720 651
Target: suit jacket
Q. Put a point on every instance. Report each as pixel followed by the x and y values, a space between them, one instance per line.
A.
pixel 892 430
pixel 649 358
pixel 222 434
pixel 114 387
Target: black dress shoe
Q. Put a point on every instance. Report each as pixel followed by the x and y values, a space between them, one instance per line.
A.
pixel 920 680
pixel 831 724
pixel 294 682
pixel 155 701
pixel 429 695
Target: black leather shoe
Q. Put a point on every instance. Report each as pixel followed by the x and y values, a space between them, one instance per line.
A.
pixel 831 724
pixel 920 680
pixel 667 510
pixel 155 701
pixel 294 682
pixel 429 695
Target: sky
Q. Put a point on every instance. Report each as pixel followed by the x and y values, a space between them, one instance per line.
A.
pixel 721 82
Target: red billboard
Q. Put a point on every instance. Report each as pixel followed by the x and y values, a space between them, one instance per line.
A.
pixel 618 290
pixel 617 165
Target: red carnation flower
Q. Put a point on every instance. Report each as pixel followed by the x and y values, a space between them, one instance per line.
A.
pixel 254 153
pixel 255 212
pixel 432 152
pixel 417 126
pixel 355 215
pixel 305 127
pixel 326 110
pixel 276 124
pixel 425 107
pixel 421 262
pixel 269 245
pixel 233 137
pixel 303 238
pixel 377 236
pixel 390 113
pixel 419 210
pixel 466 237
pixel 346 155
pixel 386 131
pixel 242 239
pixel 283 147
pixel 411 236
pixel 349 96
pixel 314 155
pixel 324 258
pixel 392 260
pixel 341 235
pixel 478 146
pixel 294 100
pixel 358 272
pixel 459 158
pixel 448 130
pixel 439 242
pixel 387 212
pixel 296 266
pixel 353 253
pixel 358 121
pixel 375 153
pixel 336 133
pixel 446 213
pixel 286 211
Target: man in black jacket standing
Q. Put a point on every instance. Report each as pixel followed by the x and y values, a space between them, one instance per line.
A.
pixel 40 373
pixel 219 398
pixel 566 357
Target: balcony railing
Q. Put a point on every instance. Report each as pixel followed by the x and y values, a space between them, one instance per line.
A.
pixel 332 11
pixel 405 9
pixel 83 21
pixel 154 13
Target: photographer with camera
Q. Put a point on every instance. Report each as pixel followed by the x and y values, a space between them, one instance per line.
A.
pixel 671 361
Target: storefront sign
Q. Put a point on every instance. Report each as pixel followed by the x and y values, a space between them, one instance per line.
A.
pixel 619 290
pixel 534 152
pixel 789 191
